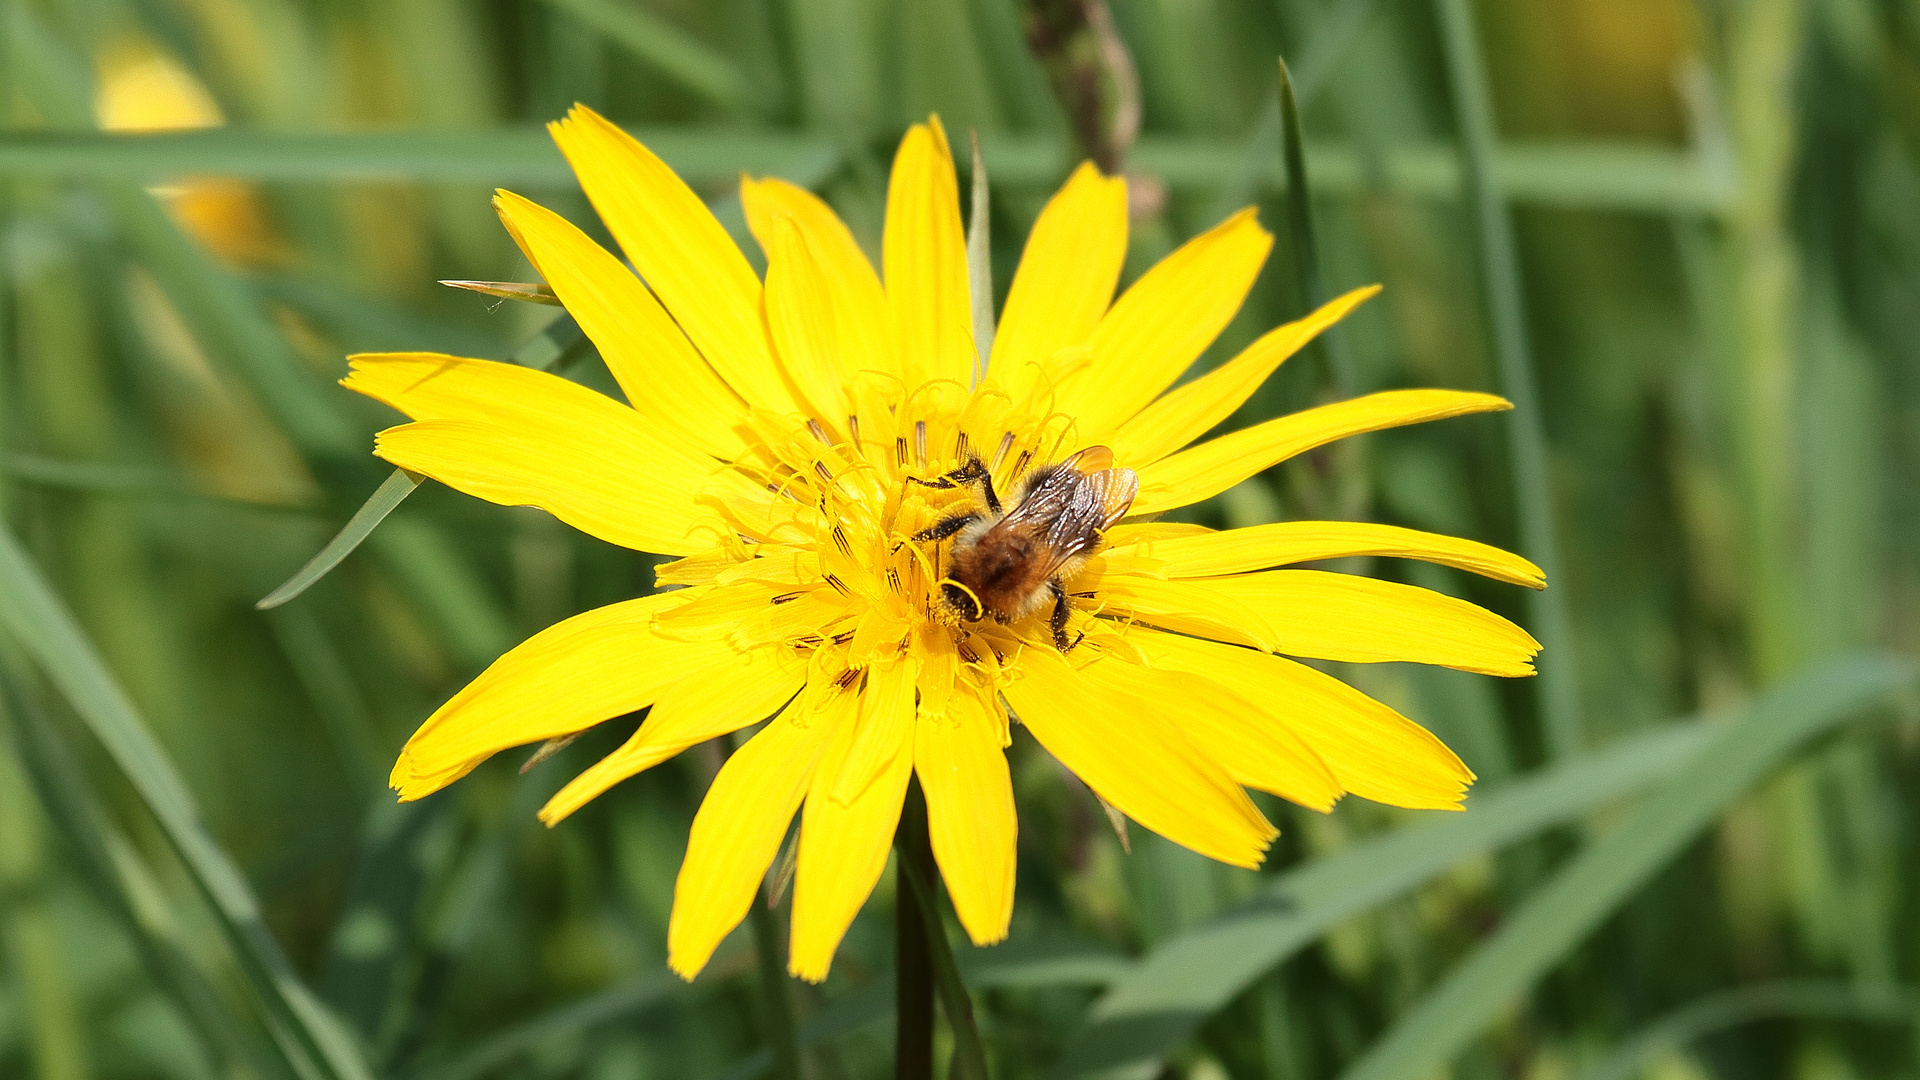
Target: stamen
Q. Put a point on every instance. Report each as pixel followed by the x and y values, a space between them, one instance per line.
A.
pixel 962 446
pixel 840 541
pixel 853 429
pixel 1000 453
pixel 900 451
pixel 966 652
pixel 820 469
pixel 919 442
pixel 788 598
pixel 819 432
pixel 838 585
pixel 843 638
pixel 847 678
pixel 893 579
pixel 1020 463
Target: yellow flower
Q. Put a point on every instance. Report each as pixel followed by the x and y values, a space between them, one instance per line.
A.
pixel 798 443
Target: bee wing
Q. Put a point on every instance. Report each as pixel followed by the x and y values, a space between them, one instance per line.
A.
pixel 1093 503
pixel 1091 460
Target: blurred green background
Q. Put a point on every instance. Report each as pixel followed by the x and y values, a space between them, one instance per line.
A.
pixel 1692 851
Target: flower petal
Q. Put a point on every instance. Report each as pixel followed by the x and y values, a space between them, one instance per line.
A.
pixel 1373 751
pixel 1187 412
pixel 1065 280
pixel 925 253
pixel 601 489
pixel 572 675
pixel 862 323
pixel 664 378
pixel 737 691
pixel 843 846
pixel 1346 617
pixel 1280 543
pixel 1257 751
pixel 1162 324
pixel 1131 751
pixel 541 439
pixel 800 319
pixel 737 832
pixel 680 249
pixel 970 815
pixel 886 725
pixel 1214 466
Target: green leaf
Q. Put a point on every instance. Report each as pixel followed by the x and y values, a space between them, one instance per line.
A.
pixel 1560 914
pixel 1153 1007
pixel 317 1047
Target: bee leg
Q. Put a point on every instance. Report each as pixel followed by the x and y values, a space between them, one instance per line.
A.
pixel 1060 610
pixel 973 472
pixel 946 526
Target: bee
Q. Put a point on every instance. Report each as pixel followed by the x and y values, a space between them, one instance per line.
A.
pixel 1007 563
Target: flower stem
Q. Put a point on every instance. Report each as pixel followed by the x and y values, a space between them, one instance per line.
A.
pixel 781 1036
pixel 913 964
pixel 919 902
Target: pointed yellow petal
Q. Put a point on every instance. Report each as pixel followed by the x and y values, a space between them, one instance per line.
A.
pixel 572 675
pixel 736 834
pixel 681 251
pixel 800 319
pixel 664 379
pixel 970 813
pixel 861 320
pixel 1357 619
pixel 886 724
pixel 1260 546
pixel 605 491
pixel 1255 749
pixel 1187 412
pixel 1132 752
pixel 843 846
pixel 1065 280
pixel 1178 605
pixel 925 252
pixel 1162 324
pixel 1373 751
pixel 1214 466
pixel 521 437
pixel 705 704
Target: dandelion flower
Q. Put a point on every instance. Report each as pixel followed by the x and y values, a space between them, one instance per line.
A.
pixel 805 447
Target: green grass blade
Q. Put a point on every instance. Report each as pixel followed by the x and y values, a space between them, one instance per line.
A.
pixel 1333 34
pixel 1590 173
pixel 667 49
pixel 1559 915
pixel 1822 999
pixel 1559 688
pixel 73 807
pixel 703 156
pixel 1306 253
pixel 40 624
pixel 980 260
pixel 1154 1006
pixel 559 342
pixel 384 500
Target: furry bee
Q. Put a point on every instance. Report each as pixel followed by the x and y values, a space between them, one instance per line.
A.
pixel 1006 563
